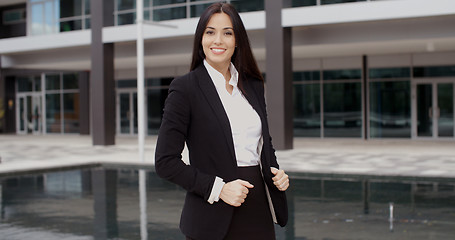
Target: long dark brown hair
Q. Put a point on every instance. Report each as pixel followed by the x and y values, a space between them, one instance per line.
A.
pixel 242 58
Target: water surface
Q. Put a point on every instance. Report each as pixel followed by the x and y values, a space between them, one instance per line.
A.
pixel 104 203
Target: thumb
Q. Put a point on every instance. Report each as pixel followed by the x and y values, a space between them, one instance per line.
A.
pixel 274 170
pixel 246 184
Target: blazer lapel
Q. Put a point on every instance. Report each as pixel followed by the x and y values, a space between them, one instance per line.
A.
pixel 211 95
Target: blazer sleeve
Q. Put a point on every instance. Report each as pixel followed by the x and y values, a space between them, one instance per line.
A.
pixel 171 140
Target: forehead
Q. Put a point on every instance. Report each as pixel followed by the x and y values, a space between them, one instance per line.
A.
pixel 220 20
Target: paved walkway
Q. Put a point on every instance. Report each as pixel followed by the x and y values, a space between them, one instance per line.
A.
pixel 412 158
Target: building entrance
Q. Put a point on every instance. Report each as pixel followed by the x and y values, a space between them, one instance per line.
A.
pixel 29 113
pixel 434 109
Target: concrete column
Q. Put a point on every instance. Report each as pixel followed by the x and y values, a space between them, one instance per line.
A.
pixel 279 76
pixel 84 103
pixel 102 84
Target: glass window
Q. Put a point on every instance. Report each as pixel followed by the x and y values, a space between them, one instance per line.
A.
pixel 73 15
pixel 71 112
pixel 70 81
pixel 14 16
pixel 166 2
pixel 37 19
pixel 169 13
pixel 307 110
pixel 37 83
pixel 299 3
pixel 53 114
pixel 306 76
pixel 197 10
pixel 51 16
pixel 146 14
pixel 87 7
pixel 124 112
pixel 248 6
pixel 383 73
pixel 159 82
pixel 70 8
pixel 71 25
pixel 87 23
pixel 126 4
pixel 126 84
pixel 155 100
pixel 345 74
pixel 53 82
pixel 126 18
pixel 24 84
pixel 342 110
pixel 437 71
pixel 390 109
pixel 339 1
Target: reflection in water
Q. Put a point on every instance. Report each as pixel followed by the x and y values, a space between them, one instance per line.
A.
pixel 111 203
pixel 391 216
pixel 143 204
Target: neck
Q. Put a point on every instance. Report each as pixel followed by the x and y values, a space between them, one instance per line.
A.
pixel 224 70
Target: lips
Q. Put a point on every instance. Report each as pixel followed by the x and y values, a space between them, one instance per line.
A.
pixel 218 50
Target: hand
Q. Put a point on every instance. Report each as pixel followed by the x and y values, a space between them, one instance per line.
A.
pixel 235 192
pixel 281 179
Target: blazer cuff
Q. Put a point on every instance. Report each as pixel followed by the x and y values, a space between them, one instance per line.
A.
pixel 216 190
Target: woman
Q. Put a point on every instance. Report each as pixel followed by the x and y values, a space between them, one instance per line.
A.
pixel 234 187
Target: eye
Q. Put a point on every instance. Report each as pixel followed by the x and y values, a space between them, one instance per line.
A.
pixel 229 33
pixel 209 32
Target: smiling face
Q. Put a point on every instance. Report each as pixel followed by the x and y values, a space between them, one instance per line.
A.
pixel 218 41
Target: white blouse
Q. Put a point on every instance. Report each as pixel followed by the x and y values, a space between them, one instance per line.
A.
pixel 245 123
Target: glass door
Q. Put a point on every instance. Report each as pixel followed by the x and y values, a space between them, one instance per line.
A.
pixel 36 116
pixel 29 118
pixel 445 109
pixel 425 110
pixel 21 116
pixel 127 113
pixel 434 110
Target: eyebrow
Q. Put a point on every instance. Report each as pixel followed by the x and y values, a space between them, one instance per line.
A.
pixel 223 28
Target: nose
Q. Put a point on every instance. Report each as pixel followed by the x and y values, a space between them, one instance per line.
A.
pixel 218 39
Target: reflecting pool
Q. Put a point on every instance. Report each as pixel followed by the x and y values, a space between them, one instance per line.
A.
pixel 108 203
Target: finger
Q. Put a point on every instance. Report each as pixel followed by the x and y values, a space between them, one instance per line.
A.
pixel 245 191
pixel 243 195
pixel 284 186
pixel 279 174
pixel 283 179
pixel 274 170
pixel 246 184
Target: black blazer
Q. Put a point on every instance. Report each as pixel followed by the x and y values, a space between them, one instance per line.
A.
pixel 193 113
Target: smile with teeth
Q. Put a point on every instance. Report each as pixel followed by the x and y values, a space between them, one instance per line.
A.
pixel 218 50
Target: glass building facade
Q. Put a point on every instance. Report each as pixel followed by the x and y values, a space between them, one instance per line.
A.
pixel 376 102
pixel 47 103
pixel 329 103
pixel 52 16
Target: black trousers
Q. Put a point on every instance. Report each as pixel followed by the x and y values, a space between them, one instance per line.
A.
pixel 252 220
